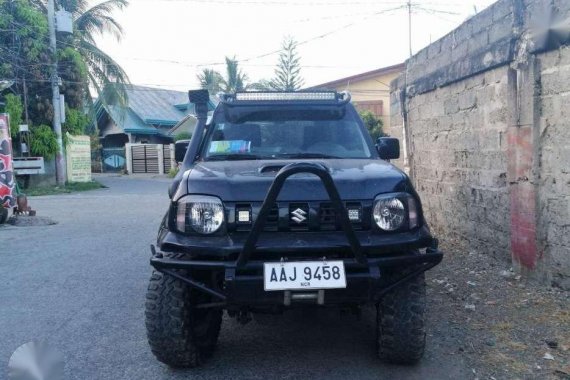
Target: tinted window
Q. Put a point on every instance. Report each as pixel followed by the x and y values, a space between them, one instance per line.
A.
pixel 341 138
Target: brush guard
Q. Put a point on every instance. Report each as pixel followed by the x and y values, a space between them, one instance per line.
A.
pixel 237 286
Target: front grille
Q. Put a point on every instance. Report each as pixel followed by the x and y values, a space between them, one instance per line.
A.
pixel 327 217
pixel 297 216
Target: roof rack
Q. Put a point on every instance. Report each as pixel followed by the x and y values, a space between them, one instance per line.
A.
pixel 284 97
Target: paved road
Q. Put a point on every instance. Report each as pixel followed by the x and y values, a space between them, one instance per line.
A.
pixel 81 284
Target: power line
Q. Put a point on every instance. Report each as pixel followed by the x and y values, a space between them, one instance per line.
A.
pixel 368 15
pixel 284 3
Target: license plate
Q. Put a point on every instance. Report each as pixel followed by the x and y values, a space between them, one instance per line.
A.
pixel 304 275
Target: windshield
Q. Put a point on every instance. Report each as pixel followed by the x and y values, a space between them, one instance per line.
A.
pixel 259 139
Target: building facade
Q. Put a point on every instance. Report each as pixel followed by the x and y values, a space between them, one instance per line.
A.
pixel 369 90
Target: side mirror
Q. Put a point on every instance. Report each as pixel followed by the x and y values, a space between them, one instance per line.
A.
pixel 180 148
pixel 388 148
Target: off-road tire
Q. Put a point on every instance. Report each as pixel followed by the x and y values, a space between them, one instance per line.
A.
pixel 400 323
pixel 179 335
pixel 3 214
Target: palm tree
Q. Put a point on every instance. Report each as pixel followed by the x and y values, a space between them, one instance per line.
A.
pixel 211 80
pixel 235 79
pixel 104 74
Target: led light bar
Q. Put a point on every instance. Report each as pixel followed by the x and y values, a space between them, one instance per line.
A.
pixel 285 96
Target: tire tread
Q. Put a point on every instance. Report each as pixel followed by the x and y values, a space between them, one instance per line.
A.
pixel 171 323
pixel 401 334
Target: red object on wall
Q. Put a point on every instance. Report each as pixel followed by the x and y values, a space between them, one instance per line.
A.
pixel 7 181
pixel 524 248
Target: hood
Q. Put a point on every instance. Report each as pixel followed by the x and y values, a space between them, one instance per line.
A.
pixel 249 180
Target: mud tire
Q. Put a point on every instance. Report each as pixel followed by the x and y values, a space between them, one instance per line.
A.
pixel 400 323
pixel 179 335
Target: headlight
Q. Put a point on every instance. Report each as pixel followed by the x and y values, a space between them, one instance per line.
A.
pixel 199 213
pixel 395 211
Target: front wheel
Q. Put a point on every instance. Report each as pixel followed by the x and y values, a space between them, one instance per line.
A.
pixel 179 334
pixel 400 323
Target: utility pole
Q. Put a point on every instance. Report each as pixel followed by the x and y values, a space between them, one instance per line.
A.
pixel 60 165
pixel 410 26
pixel 25 100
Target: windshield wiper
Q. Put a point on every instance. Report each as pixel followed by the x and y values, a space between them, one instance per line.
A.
pixel 306 155
pixel 234 157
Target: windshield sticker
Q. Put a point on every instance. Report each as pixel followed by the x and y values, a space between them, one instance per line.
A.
pixel 231 146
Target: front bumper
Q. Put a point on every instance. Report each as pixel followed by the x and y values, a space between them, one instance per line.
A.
pixel 243 286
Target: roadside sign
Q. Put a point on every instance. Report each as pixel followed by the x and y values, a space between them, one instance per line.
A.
pixel 78 151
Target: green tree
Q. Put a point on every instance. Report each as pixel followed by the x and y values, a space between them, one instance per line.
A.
pixel 76 122
pixel 102 71
pixel 211 80
pixel 25 54
pixel 288 71
pixel 43 142
pixel 373 123
pixel 15 109
pixel 234 80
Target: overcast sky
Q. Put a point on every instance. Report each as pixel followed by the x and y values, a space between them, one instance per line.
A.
pixel 167 42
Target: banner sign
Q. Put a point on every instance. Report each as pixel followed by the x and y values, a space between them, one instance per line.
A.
pixel 7 180
pixel 78 151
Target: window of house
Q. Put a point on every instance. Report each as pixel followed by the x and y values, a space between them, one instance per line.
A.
pixel 374 106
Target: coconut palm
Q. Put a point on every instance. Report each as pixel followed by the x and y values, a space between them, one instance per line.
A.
pixel 234 80
pixel 211 80
pixel 104 74
pixel 103 71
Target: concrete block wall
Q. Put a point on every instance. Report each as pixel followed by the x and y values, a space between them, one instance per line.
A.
pixel 554 182
pixel 481 113
pixel 458 139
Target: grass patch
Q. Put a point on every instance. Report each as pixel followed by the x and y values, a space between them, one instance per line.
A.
pixel 70 187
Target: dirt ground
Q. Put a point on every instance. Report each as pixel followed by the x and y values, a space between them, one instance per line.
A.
pixel 503 327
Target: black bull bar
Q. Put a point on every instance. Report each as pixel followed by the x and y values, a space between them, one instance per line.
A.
pixel 419 262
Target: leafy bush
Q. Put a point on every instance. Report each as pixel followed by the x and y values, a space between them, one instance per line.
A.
pixel 76 123
pixel 15 109
pixel 373 123
pixel 183 136
pixel 43 142
pixel 172 172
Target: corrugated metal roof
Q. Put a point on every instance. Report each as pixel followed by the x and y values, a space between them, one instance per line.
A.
pixel 149 107
pixel 155 105
pixel 127 121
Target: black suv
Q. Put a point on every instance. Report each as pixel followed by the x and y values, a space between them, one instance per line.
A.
pixel 284 201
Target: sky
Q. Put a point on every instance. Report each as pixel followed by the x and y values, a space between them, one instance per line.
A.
pixel 166 43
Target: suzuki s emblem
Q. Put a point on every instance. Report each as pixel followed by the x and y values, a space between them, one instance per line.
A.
pixel 298 216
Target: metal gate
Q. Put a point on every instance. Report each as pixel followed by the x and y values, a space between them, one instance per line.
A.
pixel 167 155
pixel 113 159
pixel 145 158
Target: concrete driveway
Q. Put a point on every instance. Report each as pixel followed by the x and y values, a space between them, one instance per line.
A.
pixel 81 285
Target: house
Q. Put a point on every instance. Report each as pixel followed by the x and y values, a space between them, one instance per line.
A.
pixel 148 117
pixel 369 90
